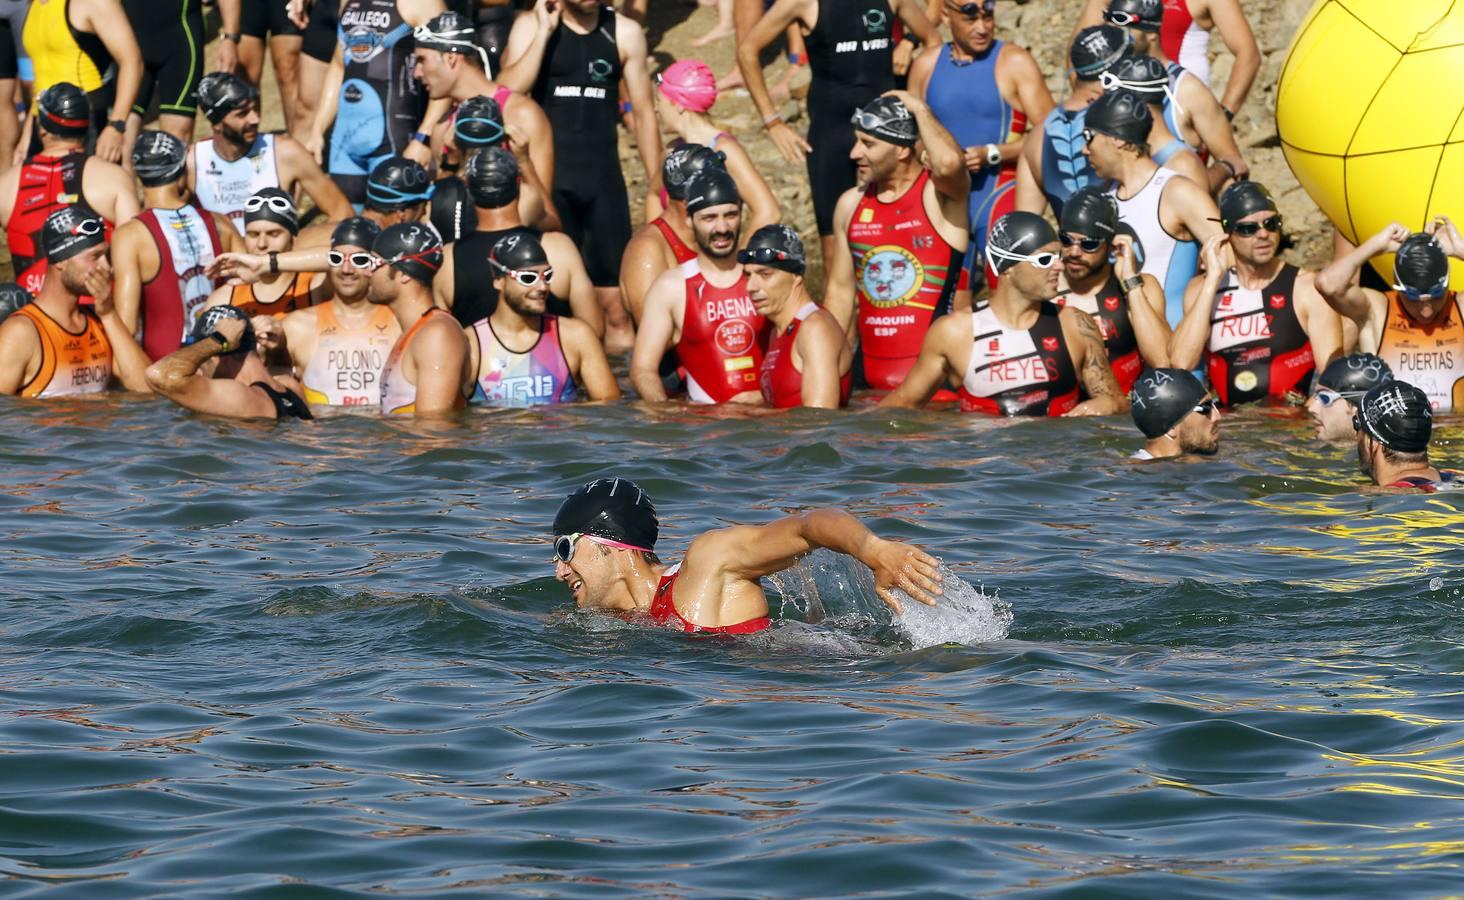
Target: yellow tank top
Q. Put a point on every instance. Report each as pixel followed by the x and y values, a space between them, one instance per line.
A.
pixel 55 48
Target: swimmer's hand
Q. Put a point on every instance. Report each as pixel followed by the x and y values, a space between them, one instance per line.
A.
pixel 242 268
pixel 899 565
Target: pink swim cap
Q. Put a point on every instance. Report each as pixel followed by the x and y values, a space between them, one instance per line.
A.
pixel 690 84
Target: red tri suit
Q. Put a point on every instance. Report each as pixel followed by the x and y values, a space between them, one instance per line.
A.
pixel 1257 347
pixel 187 244
pixel 723 338
pixel 47 183
pixel 678 247
pixel 1014 372
pixel 904 274
pixel 782 383
pixel 1109 309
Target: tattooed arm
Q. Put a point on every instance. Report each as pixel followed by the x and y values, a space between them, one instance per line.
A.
pixel 1090 359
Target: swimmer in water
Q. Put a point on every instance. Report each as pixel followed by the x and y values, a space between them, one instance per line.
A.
pixel 1175 413
pixel 604 546
pixel 1333 401
pixel 1394 425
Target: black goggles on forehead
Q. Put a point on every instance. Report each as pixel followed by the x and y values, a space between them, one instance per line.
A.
pixel 1122 19
pixel 1085 244
pixel 764 256
pixel 87 227
pixel 359 260
pixel 984 9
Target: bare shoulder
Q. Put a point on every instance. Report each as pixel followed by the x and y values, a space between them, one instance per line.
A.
pixel 844 209
pixel 1072 317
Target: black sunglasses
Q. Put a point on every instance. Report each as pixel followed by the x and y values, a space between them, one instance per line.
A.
pixel 1248 229
pixel 1087 245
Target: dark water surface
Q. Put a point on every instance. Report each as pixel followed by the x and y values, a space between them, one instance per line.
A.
pixel 238 658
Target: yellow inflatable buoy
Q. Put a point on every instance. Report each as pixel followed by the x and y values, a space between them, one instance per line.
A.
pixel 1370 112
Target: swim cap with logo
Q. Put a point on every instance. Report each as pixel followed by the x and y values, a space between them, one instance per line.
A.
pixel 1121 114
pixel 1398 416
pixel 1421 266
pixel 612 508
pixel 1241 199
pixel 208 323
pixel 64 110
pixel 1140 73
pixel 1148 14
pixel 397 183
pixel 272 205
pixel 220 93
pixel 478 123
pixel 1355 374
pixel 1090 212
pixel 888 119
pixel 411 247
pixel 690 84
pixel 1097 49
pixel 356 231
pixel 710 187
pixel 450 32
pixel 684 161
pixel 71 230
pixel 12 297
pixel 516 251
pixel 1015 235
pixel 1161 398
pixel 777 247
pixel 493 178
pixel 158 158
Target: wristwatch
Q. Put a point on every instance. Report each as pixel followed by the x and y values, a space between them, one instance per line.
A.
pixel 119 124
pixel 223 341
pixel 236 38
pixel 993 155
pixel 421 137
pixel 274 263
pixel 1129 284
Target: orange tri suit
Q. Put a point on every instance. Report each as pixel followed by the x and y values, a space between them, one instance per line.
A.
pixel 723 338
pixel 1109 309
pixel 346 367
pixel 296 296
pixel 1429 356
pixel 904 275
pixel 71 363
pixel 398 396
pixel 1257 347
pixel 1019 372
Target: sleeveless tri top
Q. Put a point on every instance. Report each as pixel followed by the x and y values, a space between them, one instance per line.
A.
pixel 1184 41
pixel 578 87
pixel 187 245
pixel 663 611
pixel 904 275
pixel 296 296
pixel 1428 356
pixel 380 104
pixel 398 395
pixel 59 52
pixel 779 378
pixel 47 183
pixel 678 247
pixel 1109 309
pixel 1065 170
pixel 345 369
pixel 1172 261
pixel 1174 111
pixel 71 363
pixel 534 377
pixel 1019 372
pixel 849 56
pixel 723 338
pixel 1257 347
pixel 223 186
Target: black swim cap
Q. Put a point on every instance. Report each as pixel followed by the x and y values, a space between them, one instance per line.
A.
pixel 1355 374
pixel 12 297
pixel 356 231
pixel 479 122
pixel 1090 212
pixel 1161 398
pixel 412 247
pixel 516 251
pixel 1148 14
pixel 1140 73
pixel 888 119
pixel 208 322
pixel 220 93
pixel 1241 199
pixel 493 178
pixel 1015 235
pixel 613 508
pixel 397 183
pixel 272 204
pixel 1121 114
pixel 710 187
pixel 777 247
pixel 1097 49
pixel 450 32
pixel 1421 266
pixel 64 110
pixel 684 161
pixel 451 210
pixel 71 230
pixel 158 158
pixel 1396 415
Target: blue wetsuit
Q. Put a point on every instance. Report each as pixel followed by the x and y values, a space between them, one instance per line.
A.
pixel 380 103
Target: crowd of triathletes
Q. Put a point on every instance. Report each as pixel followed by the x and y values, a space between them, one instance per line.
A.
pixel 469 240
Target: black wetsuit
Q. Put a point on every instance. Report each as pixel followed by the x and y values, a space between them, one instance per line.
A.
pixel 473 294
pixel 171 37
pixel 380 103
pixel 850 54
pixel 492 24
pixel 578 88
pixel 287 403
pixel 319 40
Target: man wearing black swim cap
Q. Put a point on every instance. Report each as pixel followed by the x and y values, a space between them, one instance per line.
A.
pixel 1145 76
pixel 1018 354
pixel 1175 413
pixel 161 258
pixel 54 347
pixel 1394 423
pixel 427 371
pixel 221 373
pixel 1418 327
pixel 271 223
pixel 521 355
pixel 60 174
pixel 1339 388
pixel 467 289
pixel 1255 320
pixel 605 538
pixel 899 236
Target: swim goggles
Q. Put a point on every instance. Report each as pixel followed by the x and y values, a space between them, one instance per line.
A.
pixel 457 41
pixel 764 256
pixel 279 204
pixel 87 227
pixel 1249 229
pixel 1112 82
pixel 496 137
pixel 1085 244
pixel 530 277
pixel 1043 260
pixel 422 256
pixel 1437 291
pixel 1206 407
pixel 564 545
pixel 986 8
pixel 362 260
pixel 1122 19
